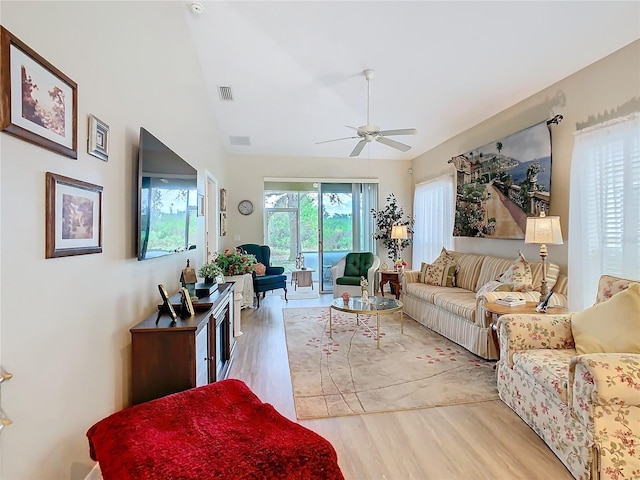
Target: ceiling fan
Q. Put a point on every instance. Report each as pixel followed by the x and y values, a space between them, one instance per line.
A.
pixel 368 133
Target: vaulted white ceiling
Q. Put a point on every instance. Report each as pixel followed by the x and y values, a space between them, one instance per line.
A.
pixel 295 67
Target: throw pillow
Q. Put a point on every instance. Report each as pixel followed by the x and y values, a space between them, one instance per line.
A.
pixel 260 269
pixel 441 273
pixel 518 275
pixel 611 326
pixel 493 286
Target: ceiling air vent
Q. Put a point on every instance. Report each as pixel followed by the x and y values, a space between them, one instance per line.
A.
pixel 226 95
pixel 240 140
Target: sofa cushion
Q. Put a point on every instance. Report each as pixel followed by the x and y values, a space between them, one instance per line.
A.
pixel 468 269
pixel 519 275
pixel 612 326
pixel 491 269
pixel 553 272
pixel 260 269
pixel 427 292
pixel 462 304
pixel 548 367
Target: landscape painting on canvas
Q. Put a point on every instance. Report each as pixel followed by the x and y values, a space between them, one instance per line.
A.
pixel 502 183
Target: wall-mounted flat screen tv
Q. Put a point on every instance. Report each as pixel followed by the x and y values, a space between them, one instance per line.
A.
pixel 167 200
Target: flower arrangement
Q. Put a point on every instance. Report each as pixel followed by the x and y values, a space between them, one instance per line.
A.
pixel 209 270
pixel 235 262
pixel 399 264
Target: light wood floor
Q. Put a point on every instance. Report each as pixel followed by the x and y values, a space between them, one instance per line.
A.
pixel 477 441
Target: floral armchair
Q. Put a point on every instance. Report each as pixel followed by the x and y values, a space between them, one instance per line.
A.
pixel 586 407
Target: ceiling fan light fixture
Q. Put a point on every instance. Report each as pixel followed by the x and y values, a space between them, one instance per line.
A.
pixel 369 132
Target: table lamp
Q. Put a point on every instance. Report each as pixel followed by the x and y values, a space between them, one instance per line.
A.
pixel 399 233
pixel 543 230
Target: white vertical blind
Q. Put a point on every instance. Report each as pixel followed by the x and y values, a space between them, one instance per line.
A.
pixel 433 211
pixel 604 207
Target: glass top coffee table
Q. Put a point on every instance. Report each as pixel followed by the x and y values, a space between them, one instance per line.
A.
pixel 374 306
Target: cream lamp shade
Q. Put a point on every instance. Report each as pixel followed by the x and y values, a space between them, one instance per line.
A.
pixel 542 230
pixel 399 232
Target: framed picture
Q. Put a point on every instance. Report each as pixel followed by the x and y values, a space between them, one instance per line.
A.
pixel 200 205
pixel 39 102
pixel 223 200
pixel 98 141
pixel 223 224
pixel 73 217
pixel 167 304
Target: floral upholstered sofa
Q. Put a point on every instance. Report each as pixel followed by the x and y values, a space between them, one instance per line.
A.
pixel 585 406
pixel 457 312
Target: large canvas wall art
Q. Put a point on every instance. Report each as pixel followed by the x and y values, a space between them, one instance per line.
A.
pixel 502 183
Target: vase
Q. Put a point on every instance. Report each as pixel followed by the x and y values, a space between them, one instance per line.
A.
pixel 208 279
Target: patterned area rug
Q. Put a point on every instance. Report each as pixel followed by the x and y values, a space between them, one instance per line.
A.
pixel 349 375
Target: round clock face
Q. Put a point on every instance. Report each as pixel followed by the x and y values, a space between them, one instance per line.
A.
pixel 245 207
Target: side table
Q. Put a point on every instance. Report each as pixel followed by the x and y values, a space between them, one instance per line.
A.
pixel 302 277
pixel 393 279
pixel 498 310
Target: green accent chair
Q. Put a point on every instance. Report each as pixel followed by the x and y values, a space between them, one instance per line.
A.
pixel 274 277
pixel 347 272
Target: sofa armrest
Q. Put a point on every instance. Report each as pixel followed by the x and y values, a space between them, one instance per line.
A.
pixel 483 317
pixel 607 379
pixel 410 276
pixel 520 332
pixel 604 395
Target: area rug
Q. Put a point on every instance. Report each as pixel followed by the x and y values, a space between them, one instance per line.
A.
pixel 300 295
pixel 349 375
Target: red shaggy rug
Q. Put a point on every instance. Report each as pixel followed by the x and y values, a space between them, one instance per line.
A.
pixel 219 431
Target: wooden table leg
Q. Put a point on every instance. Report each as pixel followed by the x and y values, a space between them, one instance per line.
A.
pixel 330 333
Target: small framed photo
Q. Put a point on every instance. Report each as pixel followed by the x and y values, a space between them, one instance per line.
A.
pixel 98 141
pixel 73 217
pixel 223 200
pixel 200 205
pixel 220 279
pixel 39 102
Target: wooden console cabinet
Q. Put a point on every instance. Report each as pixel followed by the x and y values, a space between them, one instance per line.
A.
pixel 194 351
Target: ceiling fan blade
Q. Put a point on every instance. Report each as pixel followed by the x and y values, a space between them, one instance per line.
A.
pixel 353 128
pixel 356 151
pixel 392 143
pixel 336 140
pixel 401 131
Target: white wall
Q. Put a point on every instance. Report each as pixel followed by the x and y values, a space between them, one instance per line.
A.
pixel 596 90
pixel 245 180
pixel 65 321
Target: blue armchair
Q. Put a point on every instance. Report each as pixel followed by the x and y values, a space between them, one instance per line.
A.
pixel 273 278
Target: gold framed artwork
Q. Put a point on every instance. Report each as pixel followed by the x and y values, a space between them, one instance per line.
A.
pixel 39 102
pixel 223 224
pixel 73 217
pixel 98 141
pixel 223 200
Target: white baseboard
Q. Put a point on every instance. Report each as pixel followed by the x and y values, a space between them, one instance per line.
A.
pixel 94 474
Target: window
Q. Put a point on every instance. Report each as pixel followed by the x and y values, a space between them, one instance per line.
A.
pixel 433 211
pixel 604 207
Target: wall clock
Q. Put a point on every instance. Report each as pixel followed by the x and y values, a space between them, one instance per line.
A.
pixel 245 207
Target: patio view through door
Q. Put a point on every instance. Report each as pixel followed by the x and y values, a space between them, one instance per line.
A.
pixel 321 221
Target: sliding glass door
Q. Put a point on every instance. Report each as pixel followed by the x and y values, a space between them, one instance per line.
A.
pixel 320 221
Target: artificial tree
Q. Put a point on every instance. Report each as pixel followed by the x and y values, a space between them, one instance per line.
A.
pixel 391 215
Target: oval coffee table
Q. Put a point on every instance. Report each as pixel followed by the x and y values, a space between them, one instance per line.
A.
pixel 374 306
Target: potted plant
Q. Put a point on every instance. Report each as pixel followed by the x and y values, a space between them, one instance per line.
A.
pixel 386 218
pixel 209 271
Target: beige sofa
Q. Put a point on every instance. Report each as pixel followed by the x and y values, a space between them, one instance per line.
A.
pixel 585 407
pixel 457 314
